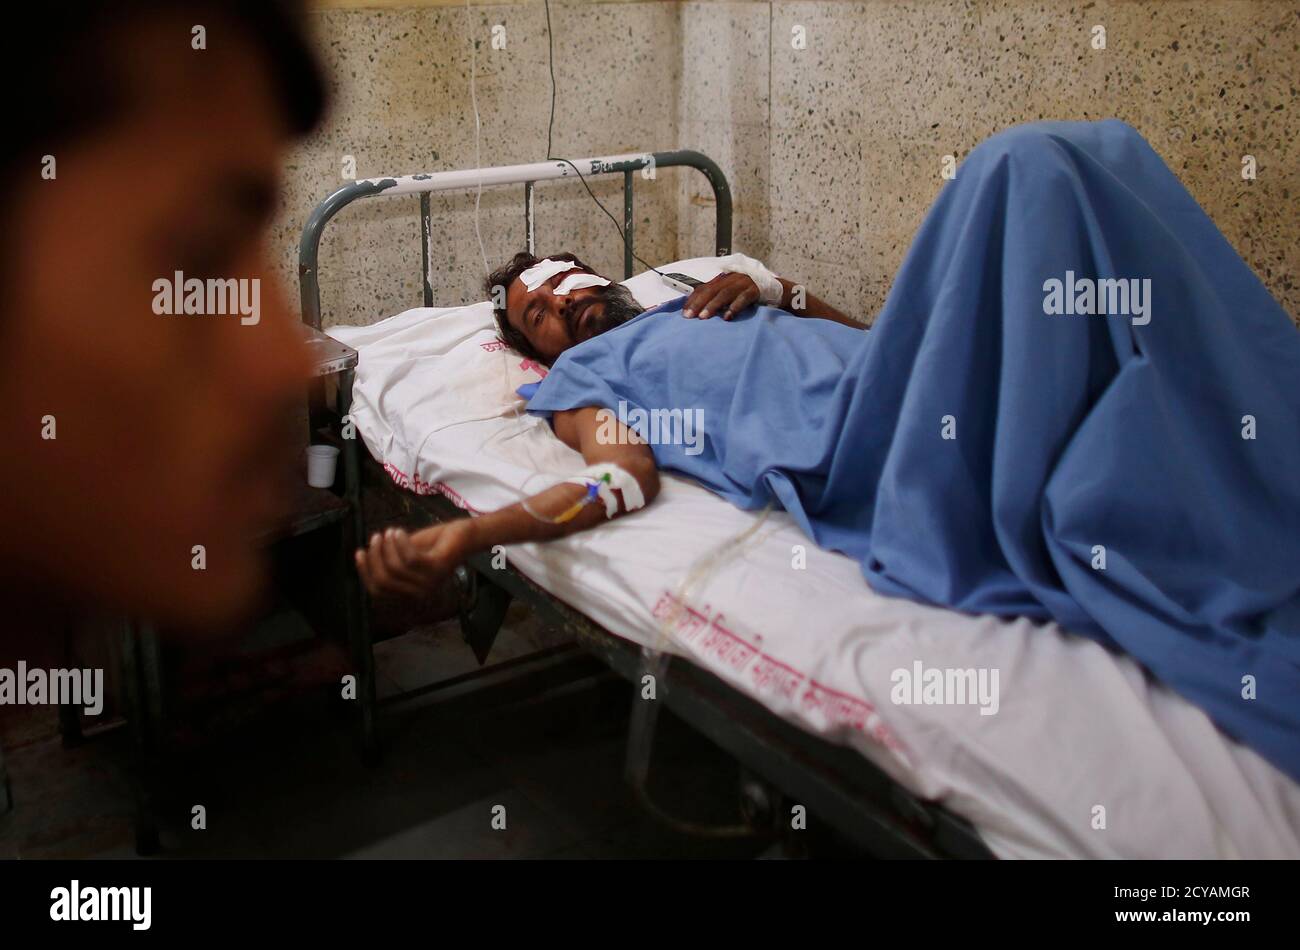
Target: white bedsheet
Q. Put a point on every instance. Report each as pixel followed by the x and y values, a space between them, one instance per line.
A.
pixel 1085 756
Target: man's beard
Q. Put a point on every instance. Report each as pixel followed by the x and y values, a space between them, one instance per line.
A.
pixel 620 307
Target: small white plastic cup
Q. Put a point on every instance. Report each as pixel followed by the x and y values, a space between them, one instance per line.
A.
pixel 322 460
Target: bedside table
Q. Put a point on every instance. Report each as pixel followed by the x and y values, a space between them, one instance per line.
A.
pixel 332 358
pixel 312 509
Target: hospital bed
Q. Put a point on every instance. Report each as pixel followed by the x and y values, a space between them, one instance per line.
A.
pixel 784 657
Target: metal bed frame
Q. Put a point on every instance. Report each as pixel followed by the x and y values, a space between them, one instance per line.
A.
pixel 836 784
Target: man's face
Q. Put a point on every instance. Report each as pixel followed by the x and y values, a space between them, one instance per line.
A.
pixel 553 323
pixel 168 428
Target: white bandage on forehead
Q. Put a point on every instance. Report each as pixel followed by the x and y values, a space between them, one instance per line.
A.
pixel 618 479
pixel 577 282
pixel 769 287
pixel 543 271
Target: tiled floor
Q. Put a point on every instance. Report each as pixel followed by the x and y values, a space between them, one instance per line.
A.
pixel 288 781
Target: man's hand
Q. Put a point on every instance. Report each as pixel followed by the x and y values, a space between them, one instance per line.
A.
pixel 727 294
pixel 730 293
pixel 413 564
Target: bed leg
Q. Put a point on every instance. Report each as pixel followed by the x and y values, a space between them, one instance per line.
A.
pixel 69 715
pixel 358 610
pixel 362 649
pixel 6 792
pixel 483 607
pixel 140 676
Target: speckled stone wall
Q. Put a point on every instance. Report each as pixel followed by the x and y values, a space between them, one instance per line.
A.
pixel 401 86
pixel 836 149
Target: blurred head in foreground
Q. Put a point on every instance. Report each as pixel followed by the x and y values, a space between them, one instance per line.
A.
pixel 148 353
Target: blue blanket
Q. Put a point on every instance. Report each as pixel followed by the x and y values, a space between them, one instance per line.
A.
pixel 1078 403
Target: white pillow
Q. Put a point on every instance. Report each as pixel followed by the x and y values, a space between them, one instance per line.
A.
pixel 434 399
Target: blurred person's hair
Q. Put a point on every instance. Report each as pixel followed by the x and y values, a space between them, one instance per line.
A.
pixel 503 277
pixel 620 304
pixel 65 64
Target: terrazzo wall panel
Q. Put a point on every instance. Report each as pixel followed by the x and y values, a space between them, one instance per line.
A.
pixel 836 143
pixel 832 120
pixel 400 83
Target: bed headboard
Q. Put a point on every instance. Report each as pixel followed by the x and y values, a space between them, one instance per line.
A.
pixel 527 175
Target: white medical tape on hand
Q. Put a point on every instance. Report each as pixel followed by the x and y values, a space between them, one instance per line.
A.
pixel 543 271
pixel 618 479
pixel 769 287
pixel 577 282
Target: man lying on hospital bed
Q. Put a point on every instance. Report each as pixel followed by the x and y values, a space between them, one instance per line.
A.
pixel 550 306
pixel 1078 403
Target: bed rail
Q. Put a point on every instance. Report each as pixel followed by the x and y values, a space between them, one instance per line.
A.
pixel 528 175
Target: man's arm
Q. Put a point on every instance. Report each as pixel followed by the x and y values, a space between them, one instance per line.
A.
pixel 814 306
pixel 730 293
pixel 396 562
